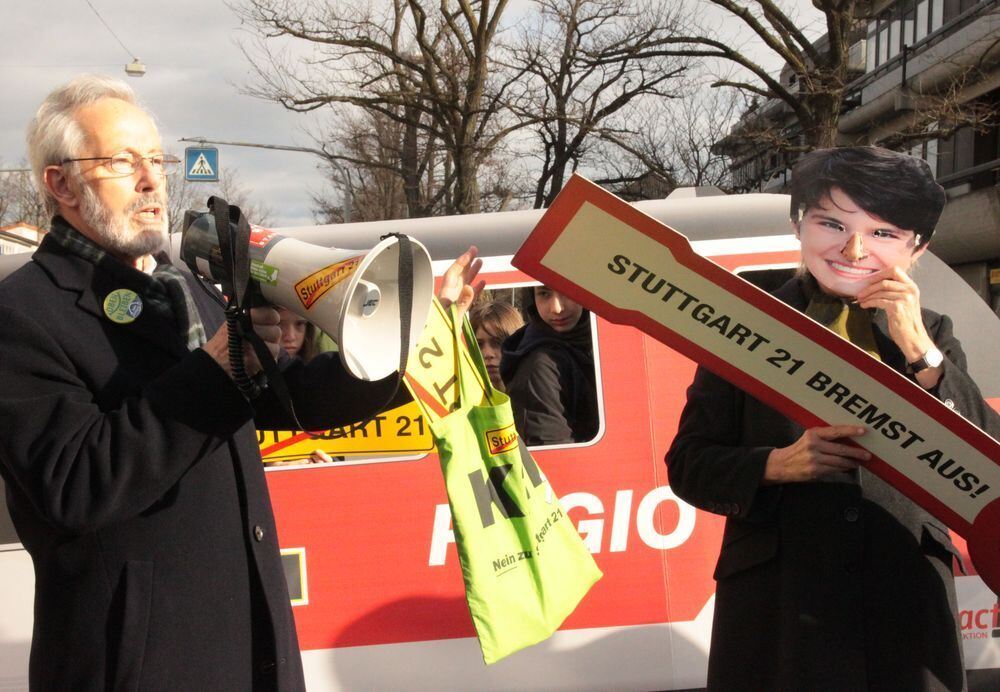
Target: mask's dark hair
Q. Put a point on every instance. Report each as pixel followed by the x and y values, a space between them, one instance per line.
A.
pixel 895 187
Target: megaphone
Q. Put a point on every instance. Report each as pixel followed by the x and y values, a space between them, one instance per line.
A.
pixel 352 295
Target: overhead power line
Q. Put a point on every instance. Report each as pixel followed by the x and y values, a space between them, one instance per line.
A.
pixel 110 30
pixel 134 68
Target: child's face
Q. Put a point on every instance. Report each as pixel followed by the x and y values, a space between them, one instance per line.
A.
pixel 490 343
pixel 556 310
pixel 293 331
pixel 843 246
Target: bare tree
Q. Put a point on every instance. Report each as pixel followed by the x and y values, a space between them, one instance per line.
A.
pixel 821 73
pixel 426 66
pixel 390 169
pixel 589 62
pixel 818 74
pixel 690 130
pixel 673 145
pixel 19 201
pixel 184 195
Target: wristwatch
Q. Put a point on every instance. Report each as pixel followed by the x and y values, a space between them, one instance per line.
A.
pixel 931 359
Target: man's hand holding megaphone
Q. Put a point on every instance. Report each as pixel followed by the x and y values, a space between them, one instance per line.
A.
pixel 265 322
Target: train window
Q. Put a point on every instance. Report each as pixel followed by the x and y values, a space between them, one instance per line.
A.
pixel 566 411
pixel 550 369
pixel 293 561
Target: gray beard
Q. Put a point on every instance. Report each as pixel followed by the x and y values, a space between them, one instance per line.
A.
pixel 116 230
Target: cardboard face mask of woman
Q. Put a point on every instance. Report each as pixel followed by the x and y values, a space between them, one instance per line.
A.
pixel 847 249
pixel 864 215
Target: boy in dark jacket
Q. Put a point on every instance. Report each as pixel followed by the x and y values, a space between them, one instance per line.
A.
pixel 548 366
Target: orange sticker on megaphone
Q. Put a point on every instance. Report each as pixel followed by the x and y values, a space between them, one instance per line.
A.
pixel 314 286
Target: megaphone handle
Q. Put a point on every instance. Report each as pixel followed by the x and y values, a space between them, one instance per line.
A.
pixel 236 332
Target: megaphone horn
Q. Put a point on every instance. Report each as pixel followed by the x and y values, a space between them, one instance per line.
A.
pixel 352 295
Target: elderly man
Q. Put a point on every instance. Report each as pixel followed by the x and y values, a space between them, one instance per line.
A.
pixel 133 474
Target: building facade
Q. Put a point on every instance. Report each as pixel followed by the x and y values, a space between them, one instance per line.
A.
pixel 908 59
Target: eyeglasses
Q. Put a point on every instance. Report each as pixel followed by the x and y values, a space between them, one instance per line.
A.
pixel 126 162
pixel 883 237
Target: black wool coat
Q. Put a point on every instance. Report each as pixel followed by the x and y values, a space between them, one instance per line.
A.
pixel 821 586
pixel 135 482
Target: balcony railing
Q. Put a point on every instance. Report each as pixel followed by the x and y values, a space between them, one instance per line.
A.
pixel 935 37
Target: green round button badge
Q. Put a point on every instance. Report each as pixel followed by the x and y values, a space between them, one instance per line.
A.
pixel 123 306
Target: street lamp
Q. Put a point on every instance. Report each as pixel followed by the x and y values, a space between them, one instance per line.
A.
pixel 132 69
pixel 135 68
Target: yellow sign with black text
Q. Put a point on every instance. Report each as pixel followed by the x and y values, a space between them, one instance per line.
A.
pixel 430 377
pixel 402 430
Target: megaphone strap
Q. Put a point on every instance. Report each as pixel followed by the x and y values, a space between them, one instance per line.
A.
pixel 229 246
pixel 405 300
pixel 237 331
pixel 238 320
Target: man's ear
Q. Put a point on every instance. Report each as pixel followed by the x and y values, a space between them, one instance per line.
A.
pixel 59 185
pixel 795 228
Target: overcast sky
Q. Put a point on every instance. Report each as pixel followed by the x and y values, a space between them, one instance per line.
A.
pixel 194 68
pixel 194 71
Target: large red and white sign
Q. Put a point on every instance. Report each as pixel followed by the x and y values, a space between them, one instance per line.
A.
pixel 632 269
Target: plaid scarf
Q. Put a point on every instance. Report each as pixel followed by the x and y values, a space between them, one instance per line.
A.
pixel 166 292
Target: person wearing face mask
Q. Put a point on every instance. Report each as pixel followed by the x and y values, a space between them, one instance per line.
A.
pixel 548 366
pixel 828 577
pixel 493 321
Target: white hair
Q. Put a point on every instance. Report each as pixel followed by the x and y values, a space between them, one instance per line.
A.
pixel 54 135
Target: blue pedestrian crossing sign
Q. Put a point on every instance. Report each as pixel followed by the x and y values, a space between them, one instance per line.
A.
pixel 201 164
